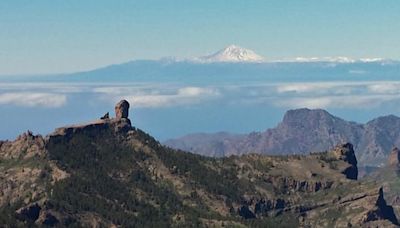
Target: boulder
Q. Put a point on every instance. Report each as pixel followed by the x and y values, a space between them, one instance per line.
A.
pixel 122 109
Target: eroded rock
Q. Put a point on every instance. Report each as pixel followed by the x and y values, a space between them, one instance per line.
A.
pixel 122 109
pixel 394 157
pixel 345 152
pixel 381 211
pixel 29 213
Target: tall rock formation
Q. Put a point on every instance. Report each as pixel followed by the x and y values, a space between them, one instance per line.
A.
pixel 122 109
pixel 121 123
pixel 346 153
pixel 380 211
pixel 394 157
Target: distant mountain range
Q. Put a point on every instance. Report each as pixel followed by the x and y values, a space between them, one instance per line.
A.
pixel 301 131
pixel 233 64
pixel 237 54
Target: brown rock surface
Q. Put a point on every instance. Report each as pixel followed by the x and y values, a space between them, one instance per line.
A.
pixel 380 211
pixel 114 164
pixel 346 153
pixel 27 145
pixel 394 157
pixel 122 109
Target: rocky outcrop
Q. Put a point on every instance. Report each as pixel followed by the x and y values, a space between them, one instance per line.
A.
pixel 106 116
pixel 394 157
pixel 120 124
pixel 346 153
pixel 245 212
pixel 26 145
pixel 40 215
pixel 29 213
pixel 122 109
pixel 286 184
pixel 380 211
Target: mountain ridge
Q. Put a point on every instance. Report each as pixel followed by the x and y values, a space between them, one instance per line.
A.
pixel 303 130
pixel 109 173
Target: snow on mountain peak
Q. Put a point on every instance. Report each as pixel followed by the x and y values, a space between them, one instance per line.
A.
pixel 233 53
pixel 337 59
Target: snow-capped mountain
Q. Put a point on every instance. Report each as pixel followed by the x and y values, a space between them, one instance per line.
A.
pixel 236 54
pixel 232 53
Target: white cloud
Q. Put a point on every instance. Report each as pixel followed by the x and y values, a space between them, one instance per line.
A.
pixel 385 88
pixel 329 94
pixel 317 87
pixel 27 99
pixel 352 101
pixel 304 87
pixel 341 94
pixel 48 87
pixel 159 97
pixel 357 72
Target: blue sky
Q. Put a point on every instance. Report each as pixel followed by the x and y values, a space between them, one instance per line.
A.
pixel 46 36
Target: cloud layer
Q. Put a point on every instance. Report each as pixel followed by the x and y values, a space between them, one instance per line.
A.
pixel 346 95
pixel 48 100
pixel 159 97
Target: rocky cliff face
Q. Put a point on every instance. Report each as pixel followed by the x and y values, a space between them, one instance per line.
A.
pixel 394 157
pixel 108 173
pixel 301 131
pixel 346 153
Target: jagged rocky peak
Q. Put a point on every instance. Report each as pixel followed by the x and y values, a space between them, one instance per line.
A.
pixel 381 211
pixel 25 145
pixel 394 157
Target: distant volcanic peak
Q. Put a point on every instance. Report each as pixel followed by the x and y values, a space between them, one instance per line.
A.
pixel 233 53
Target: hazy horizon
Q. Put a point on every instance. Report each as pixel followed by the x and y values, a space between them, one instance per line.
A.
pixel 171 99
pixel 50 36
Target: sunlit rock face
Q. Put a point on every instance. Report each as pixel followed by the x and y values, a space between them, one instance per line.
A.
pixel 394 157
pixel 122 109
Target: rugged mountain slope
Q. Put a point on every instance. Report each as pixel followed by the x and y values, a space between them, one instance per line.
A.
pixel 389 177
pixel 107 173
pixel 301 131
